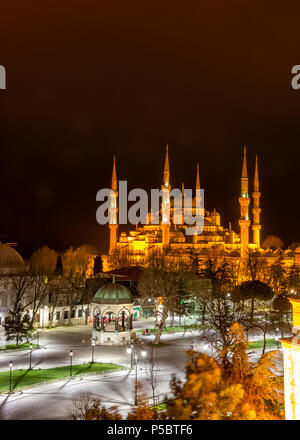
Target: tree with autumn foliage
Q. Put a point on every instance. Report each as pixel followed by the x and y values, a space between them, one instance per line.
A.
pixel 242 391
pixel 204 395
pixel 263 392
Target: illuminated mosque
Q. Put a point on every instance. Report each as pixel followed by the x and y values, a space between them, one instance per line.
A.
pixel 172 240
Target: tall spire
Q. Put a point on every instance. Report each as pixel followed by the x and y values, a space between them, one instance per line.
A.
pixel 244 179
pixel 198 177
pixel 113 221
pixel 256 226
pixel 244 221
pixel 167 168
pixel 244 171
pixel 114 182
pixel 256 176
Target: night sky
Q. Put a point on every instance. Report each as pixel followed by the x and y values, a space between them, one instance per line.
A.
pixel 89 79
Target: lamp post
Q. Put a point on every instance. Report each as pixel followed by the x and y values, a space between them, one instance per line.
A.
pixel 37 337
pixel 10 376
pixel 71 358
pixel 30 356
pixel 136 346
pixel 130 351
pixel 133 349
pixel 93 349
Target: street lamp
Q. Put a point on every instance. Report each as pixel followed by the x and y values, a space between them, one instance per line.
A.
pixel 133 350
pixel 129 350
pixel 71 357
pixel 136 379
pixel 93 349
pixel 10 375
pixel 30 356
pixel 144 354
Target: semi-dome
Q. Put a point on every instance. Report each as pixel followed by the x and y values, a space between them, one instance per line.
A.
pixel 177 237
pixel 11 261
pixel 113 293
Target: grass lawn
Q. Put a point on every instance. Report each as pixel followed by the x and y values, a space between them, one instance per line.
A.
pixel 260 343
pixel 20 347
pixel 160 407
pixel 22 378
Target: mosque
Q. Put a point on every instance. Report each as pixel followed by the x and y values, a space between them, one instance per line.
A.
pixel 172 240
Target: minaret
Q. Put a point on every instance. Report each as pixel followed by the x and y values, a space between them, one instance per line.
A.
pixel 195 236
pixel 113 221
pixel 166 188
pixel 244 200
pixel 256 226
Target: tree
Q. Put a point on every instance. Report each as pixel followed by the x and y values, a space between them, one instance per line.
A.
pixel 243 391
pixel 203 296
pixel 43 261
pixel 222 313
pixel 29 292
pixel 122 258
pixel 76 290
pixel 256 266
pixel 263 397
pixel 39 293
pixel 59 270
pixel 272 242
pixel 277 277
pixel 85 407
pixel 18 326
pixel 252 291
pixel 204 395
pixel 98 267
pixel 79 260
pixel 293 279
pixel 217 269
pixel 152 372
pixel 166 281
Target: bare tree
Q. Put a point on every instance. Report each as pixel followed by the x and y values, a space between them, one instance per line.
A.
pixel 221 315
pixel 39 292
pixel 85 407
pixel 122 258
pixel 166 281
pixel 152 372
pixel 76 291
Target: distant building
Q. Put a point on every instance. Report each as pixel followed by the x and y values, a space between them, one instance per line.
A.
pixel 55 307
pixel 171 238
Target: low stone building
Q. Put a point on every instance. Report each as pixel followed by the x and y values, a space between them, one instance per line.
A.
pixel 47 300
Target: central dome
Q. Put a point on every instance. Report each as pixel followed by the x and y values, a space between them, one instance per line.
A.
pixel 11 261
pixel 113 293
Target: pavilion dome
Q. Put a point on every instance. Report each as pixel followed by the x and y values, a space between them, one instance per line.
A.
pixel 113 293
pixel 11 261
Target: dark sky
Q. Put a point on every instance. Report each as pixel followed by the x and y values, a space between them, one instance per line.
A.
pixel 89 79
